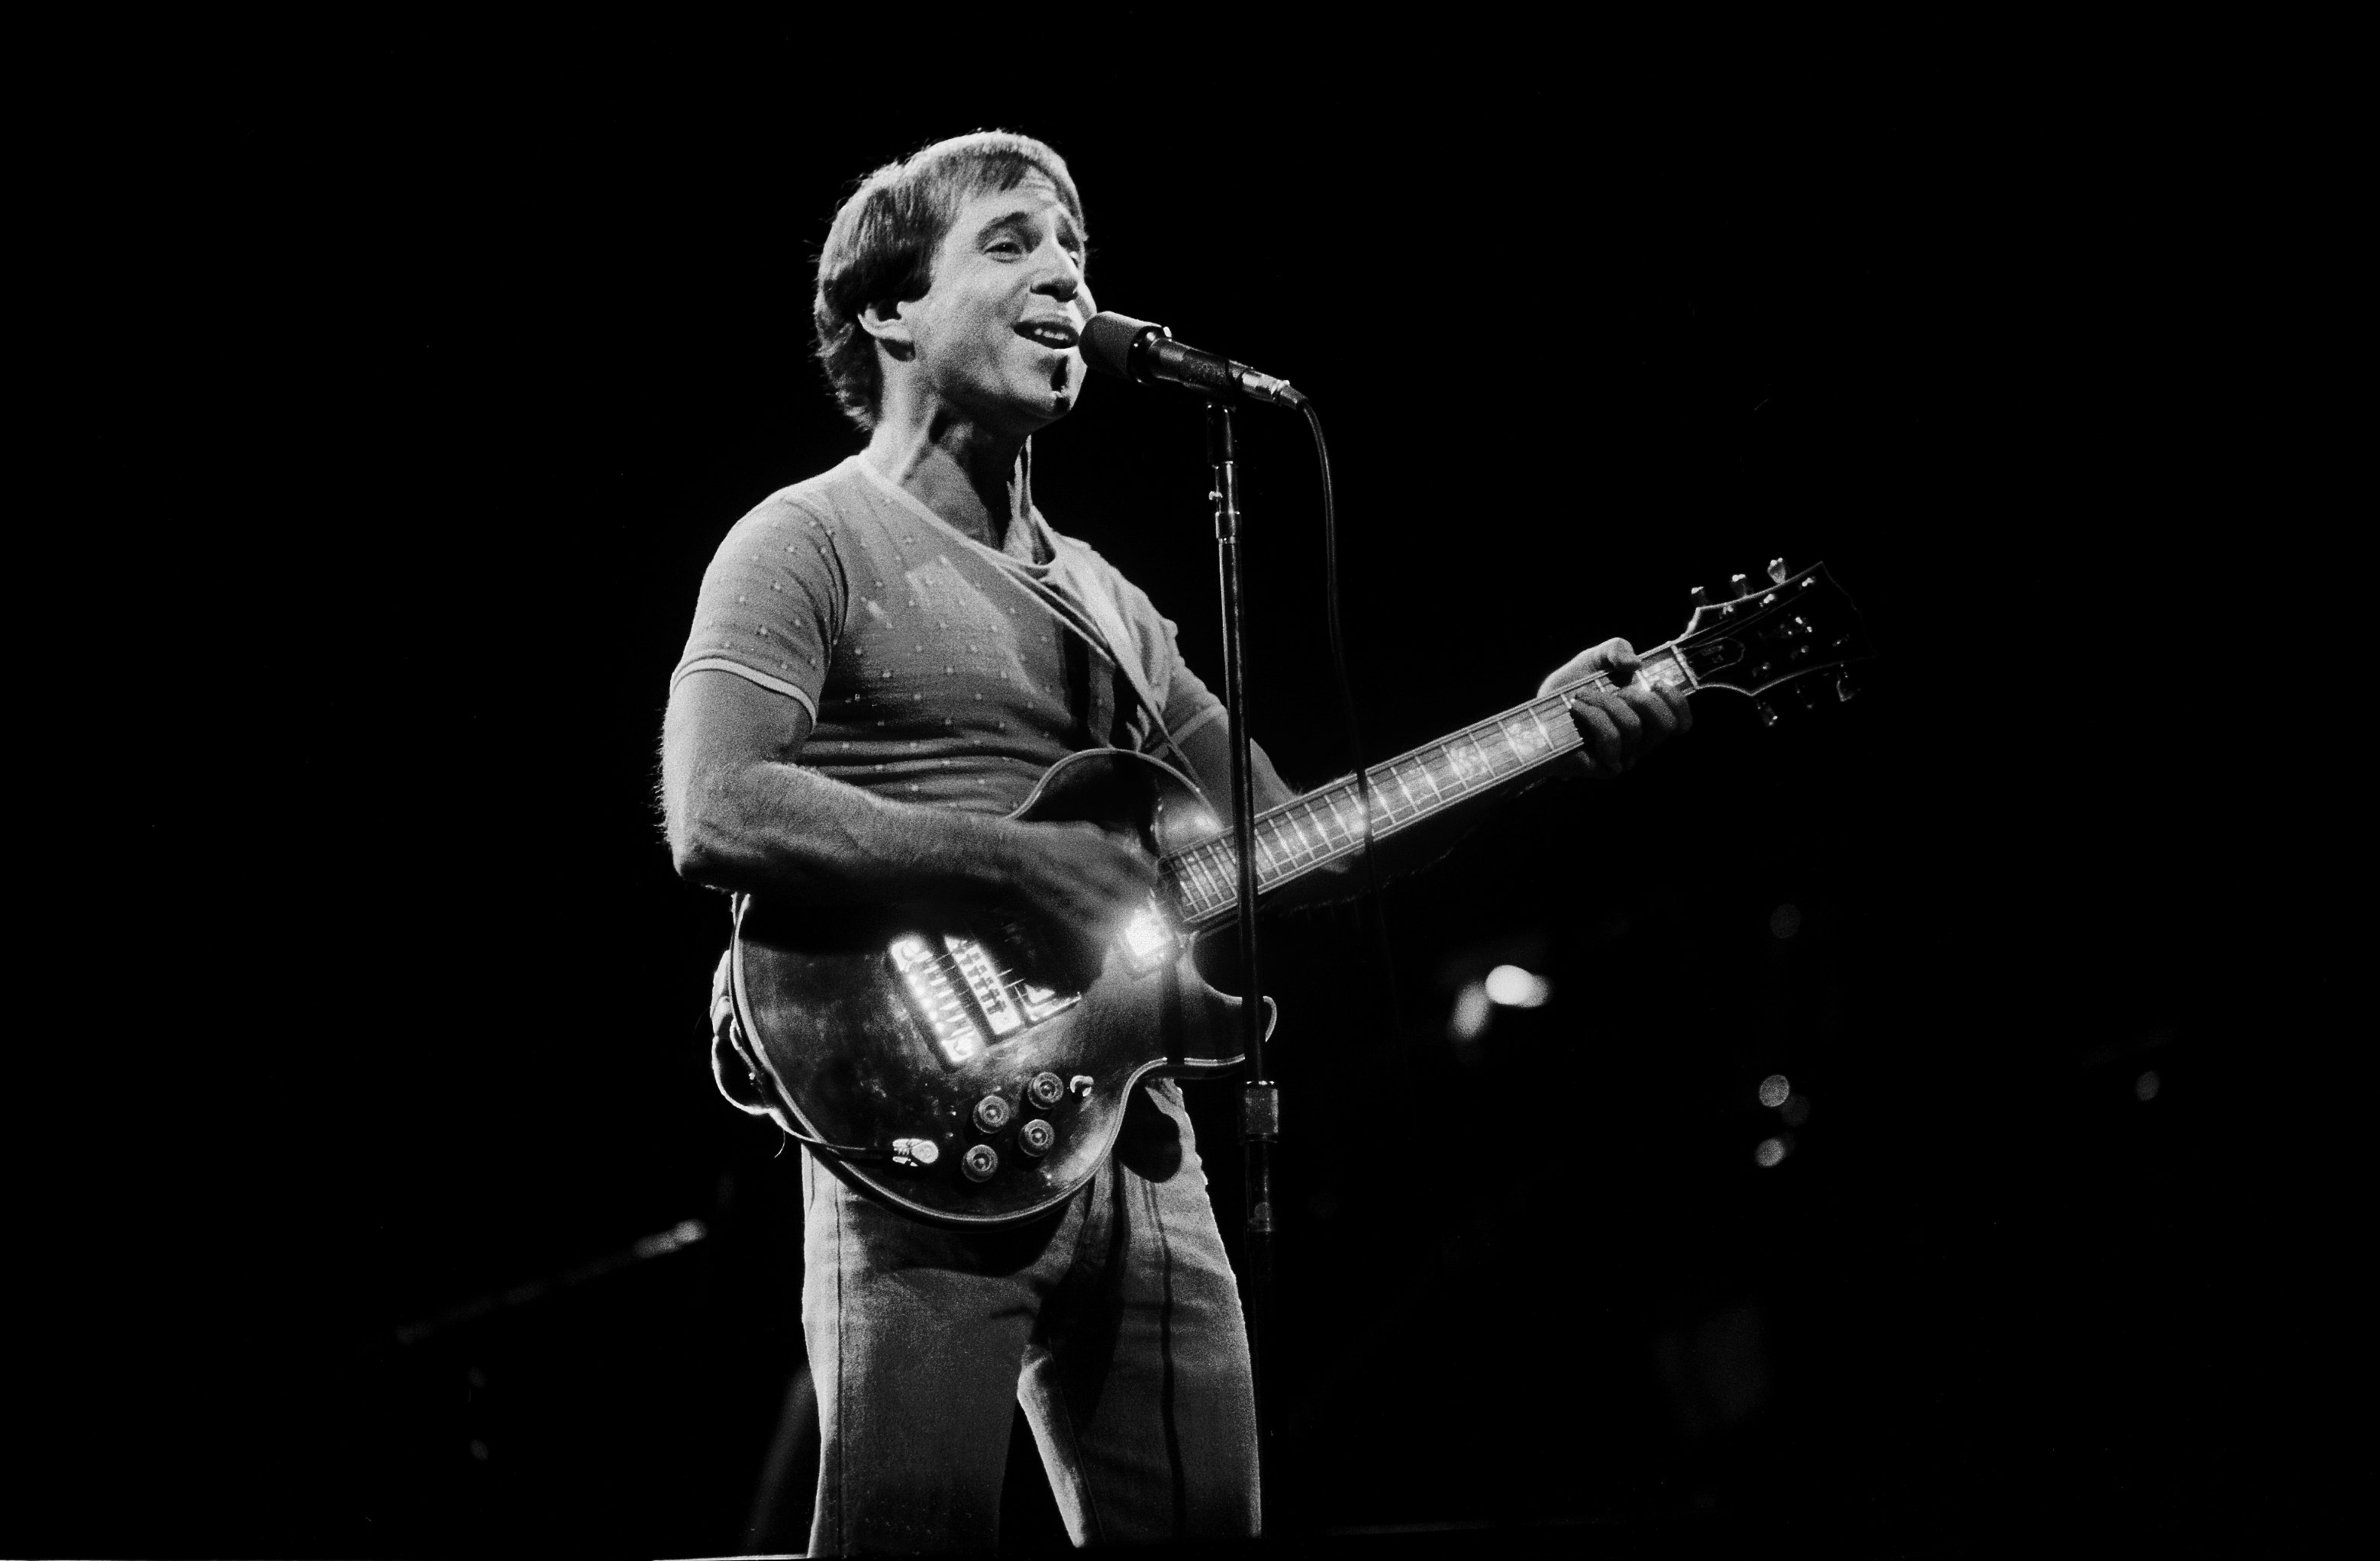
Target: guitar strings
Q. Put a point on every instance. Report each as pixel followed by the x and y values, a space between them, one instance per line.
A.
pixel 1212 856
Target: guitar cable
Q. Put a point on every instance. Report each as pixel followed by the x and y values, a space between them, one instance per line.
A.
pixel 784 1113
pixel 727 1024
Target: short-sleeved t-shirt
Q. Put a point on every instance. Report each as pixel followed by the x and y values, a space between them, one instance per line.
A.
pixel 935 670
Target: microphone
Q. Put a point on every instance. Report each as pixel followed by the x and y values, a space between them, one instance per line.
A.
pixel 1134 349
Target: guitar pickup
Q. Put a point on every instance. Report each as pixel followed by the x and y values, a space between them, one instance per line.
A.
pixel 937 998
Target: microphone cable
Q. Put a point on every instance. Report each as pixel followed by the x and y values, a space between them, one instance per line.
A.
pixel 1371 891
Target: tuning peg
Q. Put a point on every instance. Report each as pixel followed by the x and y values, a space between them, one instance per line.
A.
pixel 1844 688
pixel 1740 584
pixel 1767 712
pixel 1777 571
pixel 1699 597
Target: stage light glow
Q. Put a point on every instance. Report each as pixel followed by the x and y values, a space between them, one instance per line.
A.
pixel 685 1233
pixel 1785 921
pixel 2146 1087
pixel 1473 1008
pixel 1771 1152
pixel 1775 1090
pixel 1514 987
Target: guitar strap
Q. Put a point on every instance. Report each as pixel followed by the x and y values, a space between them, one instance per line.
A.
pixel 1086 580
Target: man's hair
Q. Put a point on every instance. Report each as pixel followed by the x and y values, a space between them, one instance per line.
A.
pixel 881 246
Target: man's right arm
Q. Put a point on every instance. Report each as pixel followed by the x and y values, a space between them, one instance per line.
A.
pixel 744 817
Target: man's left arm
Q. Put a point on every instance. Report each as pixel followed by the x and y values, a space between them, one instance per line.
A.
pixel 1621 720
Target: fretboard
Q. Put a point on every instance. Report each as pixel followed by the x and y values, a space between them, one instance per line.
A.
pixel 1328 823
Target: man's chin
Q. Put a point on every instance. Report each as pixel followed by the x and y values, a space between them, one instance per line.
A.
pixel 1065 388
pixel 1052 405
pixel 1021 409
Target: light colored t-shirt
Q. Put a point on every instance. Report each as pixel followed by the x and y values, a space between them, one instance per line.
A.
pixel 935 670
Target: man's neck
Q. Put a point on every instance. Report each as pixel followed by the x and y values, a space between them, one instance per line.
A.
pixel 972 478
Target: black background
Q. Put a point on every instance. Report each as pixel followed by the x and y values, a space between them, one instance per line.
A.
pixel 410 388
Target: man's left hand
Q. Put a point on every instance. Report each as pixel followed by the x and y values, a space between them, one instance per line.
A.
pixel 1624 720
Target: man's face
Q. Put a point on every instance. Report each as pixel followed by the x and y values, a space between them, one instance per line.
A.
pixel 998 332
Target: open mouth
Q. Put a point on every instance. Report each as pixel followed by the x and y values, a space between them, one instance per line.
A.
pixel 1055 334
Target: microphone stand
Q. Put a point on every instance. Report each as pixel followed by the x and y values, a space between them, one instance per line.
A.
pixel 1260 1099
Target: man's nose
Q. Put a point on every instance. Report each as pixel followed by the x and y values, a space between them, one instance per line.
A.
pixel 1061 276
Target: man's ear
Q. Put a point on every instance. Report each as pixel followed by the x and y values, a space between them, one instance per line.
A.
pixel 888 321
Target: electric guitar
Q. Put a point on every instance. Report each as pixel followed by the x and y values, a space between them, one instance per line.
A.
pixel 932 1058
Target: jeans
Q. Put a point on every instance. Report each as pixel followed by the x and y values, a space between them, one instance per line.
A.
pixel 1115 1322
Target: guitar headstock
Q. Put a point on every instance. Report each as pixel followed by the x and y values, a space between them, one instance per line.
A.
pixel 1786 629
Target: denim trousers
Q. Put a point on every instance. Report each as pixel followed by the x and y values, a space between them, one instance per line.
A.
pixel 1115 1322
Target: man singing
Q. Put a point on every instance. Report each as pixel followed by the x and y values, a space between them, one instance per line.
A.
pixel 884 659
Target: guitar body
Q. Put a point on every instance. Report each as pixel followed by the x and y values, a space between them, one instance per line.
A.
pixel 892 1032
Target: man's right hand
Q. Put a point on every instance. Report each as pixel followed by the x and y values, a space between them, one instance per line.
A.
pixel 1080 884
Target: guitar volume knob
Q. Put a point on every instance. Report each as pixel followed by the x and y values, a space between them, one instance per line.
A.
pixel 1035 1138
pixel 1046 1090
pixel 979 1162
pixel 992 1113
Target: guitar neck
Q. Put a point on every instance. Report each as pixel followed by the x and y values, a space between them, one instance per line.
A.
pixel 1327 824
